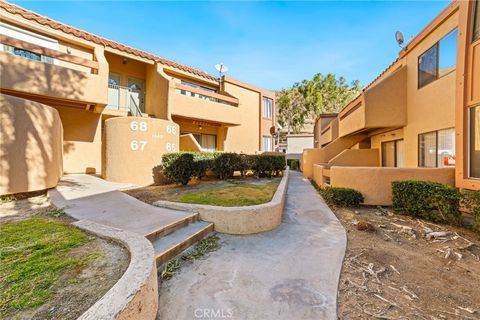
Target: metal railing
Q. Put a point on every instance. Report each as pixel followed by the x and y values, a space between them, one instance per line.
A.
pixel 121 99
pixel 206 95
pixel 134 108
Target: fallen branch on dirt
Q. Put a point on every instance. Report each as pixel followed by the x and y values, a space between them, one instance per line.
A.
pixel 394 269
pixel 469 310
pixel 437 235
pixel 404 229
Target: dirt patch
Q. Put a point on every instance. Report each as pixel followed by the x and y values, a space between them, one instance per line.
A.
pixel 152 194
pixel 21 209
pixel 397 267
pixel 79 288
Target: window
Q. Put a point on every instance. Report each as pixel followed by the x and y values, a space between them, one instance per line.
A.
pixel 439 60
pixel 206 141
pixel 114 79
pixel 26 54
pixel 475 142
pixel 436 149
pixel 392 153
pixel 476 21
pixel 267 143
pixel 267 108
pixel 31 37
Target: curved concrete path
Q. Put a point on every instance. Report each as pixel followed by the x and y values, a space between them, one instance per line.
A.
pixel 87 197
pixel 289 273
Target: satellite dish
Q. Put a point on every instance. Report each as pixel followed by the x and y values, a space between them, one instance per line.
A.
pixel 399 37
pixel 221 68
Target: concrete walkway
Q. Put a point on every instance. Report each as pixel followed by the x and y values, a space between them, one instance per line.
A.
pixel 88 197
pixel 289 273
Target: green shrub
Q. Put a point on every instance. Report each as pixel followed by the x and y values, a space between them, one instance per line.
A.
pixel 294 164
pixel 178 167
pixel 268 165
pixel 202 162
pixel 428 200
pixel 345 197
pixel 471 201
pixel 225 164
pixel 182 166
pixel 246 163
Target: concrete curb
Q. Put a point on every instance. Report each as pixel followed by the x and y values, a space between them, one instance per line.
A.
pixel 239 220
pixel 135 295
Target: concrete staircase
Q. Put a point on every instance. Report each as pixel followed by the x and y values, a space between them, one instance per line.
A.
pixel 176 237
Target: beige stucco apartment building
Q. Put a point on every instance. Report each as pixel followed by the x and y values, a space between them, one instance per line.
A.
pixel 74 102
pixel 419 119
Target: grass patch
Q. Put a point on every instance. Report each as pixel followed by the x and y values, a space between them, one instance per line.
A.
pixel 203 247
pixel 33 255
pixel 240 194
pixel 170 269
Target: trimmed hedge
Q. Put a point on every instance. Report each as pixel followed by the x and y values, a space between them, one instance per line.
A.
pixel 428 200
pixel 471 202
pixel 225 164
pixel 345 197
pixel 178 167
pixel 181 167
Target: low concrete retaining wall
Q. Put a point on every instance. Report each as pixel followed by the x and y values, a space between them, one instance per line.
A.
pixel 240 220
pixel 375 183
pixel 135 295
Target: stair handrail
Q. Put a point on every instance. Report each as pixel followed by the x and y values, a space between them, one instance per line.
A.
pixel 136 111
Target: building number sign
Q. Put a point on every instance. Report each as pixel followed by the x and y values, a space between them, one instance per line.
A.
pixel 139 145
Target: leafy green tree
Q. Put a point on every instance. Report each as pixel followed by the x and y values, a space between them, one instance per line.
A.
pixel 327 94
pixel 291 109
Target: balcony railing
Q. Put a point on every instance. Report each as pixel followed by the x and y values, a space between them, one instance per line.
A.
pixel 123 99
pixel 205 95
pixel 47 52
pixel 51 76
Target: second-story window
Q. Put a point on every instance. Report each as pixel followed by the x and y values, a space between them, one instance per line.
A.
pixel 439 60
pixel 476 21
pixel 267 108
pixel 30 37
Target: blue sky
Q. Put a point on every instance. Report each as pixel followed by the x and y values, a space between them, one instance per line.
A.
pixel 268 44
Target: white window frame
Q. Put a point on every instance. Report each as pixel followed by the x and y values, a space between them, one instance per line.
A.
pixel 270 143
pixel 267 109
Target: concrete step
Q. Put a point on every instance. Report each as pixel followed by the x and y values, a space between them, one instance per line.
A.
pixel 167 247
pixel 164 231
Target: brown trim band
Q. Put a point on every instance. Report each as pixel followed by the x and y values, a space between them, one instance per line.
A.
pixel 48 52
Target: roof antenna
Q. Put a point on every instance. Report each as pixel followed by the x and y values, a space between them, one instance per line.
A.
pixel 221 68
pixel 400 39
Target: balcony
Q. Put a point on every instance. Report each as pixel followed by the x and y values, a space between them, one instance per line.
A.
pixel 194 103
pixel 52 76
pixel 329 133
pixel 381 106
pixel 124 100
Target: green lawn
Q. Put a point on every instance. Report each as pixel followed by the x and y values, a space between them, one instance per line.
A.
pixel 33 255
pixel 242 194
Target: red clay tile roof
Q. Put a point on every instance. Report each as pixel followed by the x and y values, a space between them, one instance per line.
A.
pixel 45 21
